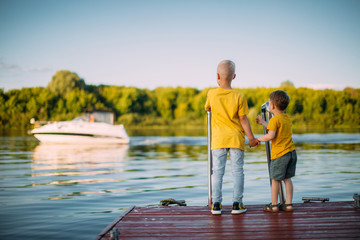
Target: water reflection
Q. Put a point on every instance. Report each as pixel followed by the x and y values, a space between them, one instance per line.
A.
pixel 53 153
pixel 83 162
pixel 171 152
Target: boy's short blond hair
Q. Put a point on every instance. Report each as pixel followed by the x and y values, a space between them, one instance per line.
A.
pixel 226 70
pixel 280 99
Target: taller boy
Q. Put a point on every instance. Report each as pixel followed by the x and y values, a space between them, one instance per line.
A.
pixel 229 124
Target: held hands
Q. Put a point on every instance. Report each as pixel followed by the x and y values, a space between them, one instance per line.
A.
pixel 254 142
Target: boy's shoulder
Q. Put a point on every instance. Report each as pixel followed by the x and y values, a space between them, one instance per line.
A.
pixel 225 91
pixel 283 116
pixel 212 90
pixel 237 92
pixel 281 119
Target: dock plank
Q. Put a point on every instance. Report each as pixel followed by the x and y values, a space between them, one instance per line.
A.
pixel 329 220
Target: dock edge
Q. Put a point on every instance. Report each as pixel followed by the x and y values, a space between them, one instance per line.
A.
pixel 111 225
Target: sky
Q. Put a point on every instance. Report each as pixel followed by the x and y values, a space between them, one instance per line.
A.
pixel 159 43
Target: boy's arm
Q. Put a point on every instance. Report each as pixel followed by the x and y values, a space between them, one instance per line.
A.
pixel 244 121
pixel 261 121
pixel 267 137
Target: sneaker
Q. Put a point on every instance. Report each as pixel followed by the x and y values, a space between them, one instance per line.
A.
pixel 238 208
pixel 216 208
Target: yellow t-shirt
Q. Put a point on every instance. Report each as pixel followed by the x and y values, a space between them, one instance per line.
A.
pixel 282 143
pixel 226 107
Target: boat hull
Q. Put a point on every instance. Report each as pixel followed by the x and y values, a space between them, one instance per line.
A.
pixel 79 139
pixel 73 132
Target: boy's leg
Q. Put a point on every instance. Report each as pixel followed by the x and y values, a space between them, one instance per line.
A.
pixel 237 169
pixel 219 162
pixel 273 206
pixel 289 190
pixel 290 172
pixel 275 186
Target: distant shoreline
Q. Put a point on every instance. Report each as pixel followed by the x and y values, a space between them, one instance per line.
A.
pixel 179 107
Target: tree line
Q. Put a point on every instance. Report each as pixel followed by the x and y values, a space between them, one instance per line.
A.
pixel 67 96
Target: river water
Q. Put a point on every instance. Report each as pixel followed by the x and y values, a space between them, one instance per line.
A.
pixel 74 192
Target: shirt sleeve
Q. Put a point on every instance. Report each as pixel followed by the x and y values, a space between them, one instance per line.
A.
pixel 243 106
pixel 272 125
pixel 207 104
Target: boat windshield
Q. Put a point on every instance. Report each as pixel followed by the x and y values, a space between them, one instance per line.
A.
pixel 100 116
pixel 79 119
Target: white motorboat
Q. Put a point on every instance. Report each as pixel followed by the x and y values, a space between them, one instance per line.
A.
pixel 94 127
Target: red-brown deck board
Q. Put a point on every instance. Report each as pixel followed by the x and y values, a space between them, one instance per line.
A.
pixel 337 220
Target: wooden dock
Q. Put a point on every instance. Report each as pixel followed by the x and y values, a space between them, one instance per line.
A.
pixel 336 220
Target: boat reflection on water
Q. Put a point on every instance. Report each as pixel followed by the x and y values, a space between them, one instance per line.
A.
pixel 78 160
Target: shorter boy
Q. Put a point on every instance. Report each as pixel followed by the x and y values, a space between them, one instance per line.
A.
pixel 283 154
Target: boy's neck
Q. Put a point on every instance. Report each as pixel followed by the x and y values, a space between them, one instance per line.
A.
pixel 225 84
pixel 277 112
pixel 226 87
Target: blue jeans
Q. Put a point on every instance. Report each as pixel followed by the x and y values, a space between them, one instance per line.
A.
pixel 237 169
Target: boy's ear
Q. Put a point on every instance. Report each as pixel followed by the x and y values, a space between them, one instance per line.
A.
pixel 218 76
pixel 272 106
pixel 234 76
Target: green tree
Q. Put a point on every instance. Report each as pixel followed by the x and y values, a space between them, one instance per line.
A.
pixel 133 100
pixel 198 104
pixel 3 112
pixel 287 83
pixel 78 100
pixel 166 101
pixel 185 96
pixel 64 82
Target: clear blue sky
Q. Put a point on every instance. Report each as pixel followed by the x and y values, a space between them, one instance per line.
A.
pixel 152 43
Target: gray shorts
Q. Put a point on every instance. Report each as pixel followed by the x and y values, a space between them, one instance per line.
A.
pixel 283 167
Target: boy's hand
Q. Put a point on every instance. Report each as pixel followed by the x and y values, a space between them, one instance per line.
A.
pixel 254 142
pixel 259 120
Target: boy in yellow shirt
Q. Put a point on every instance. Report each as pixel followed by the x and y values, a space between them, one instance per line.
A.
pixel 228 126
pixel 283 154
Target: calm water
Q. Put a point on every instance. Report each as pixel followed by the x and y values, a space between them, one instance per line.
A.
pixel 73 192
